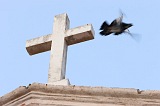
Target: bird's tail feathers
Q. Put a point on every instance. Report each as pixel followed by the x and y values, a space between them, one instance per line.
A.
pixel 104 25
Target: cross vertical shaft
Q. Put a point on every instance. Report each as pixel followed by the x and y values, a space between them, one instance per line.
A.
pixel 58 49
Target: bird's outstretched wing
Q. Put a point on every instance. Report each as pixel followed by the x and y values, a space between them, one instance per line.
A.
pixel 114 23
pixel 104 25
pixel 105 29
pixel 117 21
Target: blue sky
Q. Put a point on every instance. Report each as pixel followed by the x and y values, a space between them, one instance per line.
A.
pixel 111 61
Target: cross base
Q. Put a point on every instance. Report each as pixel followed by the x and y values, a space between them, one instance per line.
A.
pixel 61 82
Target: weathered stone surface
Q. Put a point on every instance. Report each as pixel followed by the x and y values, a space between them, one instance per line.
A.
pixel 79 34
pixel 50 95
pixel 39 45
pixel 58 43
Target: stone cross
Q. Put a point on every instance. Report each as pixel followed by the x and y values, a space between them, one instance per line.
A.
pixel 58 43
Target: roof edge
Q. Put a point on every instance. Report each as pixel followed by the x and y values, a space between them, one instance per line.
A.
pixel 81 90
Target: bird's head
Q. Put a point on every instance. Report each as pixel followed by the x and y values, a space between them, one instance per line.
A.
pixel 126 26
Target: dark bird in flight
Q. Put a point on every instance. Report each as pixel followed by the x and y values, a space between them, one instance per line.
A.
pixel 117 27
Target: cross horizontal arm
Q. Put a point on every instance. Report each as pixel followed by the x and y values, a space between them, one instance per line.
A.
pixel 73 36
pixel 79 34
pixel 38 45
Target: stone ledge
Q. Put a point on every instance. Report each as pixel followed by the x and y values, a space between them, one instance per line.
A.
pixel 101 94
